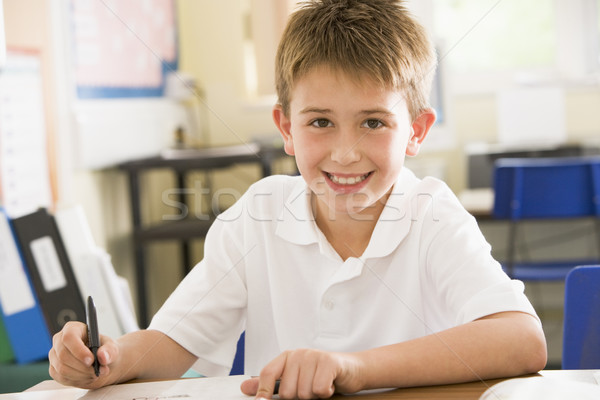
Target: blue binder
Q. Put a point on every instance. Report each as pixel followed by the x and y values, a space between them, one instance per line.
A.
pixel 23 319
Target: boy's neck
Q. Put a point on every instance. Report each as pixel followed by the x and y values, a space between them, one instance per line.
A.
pixel 349 235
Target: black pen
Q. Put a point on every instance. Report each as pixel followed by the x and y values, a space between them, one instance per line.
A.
pixel 93 334
pixel 276 388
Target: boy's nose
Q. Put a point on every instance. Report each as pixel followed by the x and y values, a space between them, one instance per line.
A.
pixel 346 150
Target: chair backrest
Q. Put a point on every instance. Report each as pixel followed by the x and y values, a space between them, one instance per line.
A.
pixel 238 361
pixel 581 335
pixel 546 187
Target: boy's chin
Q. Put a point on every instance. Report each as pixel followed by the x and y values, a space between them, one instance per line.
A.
pixel 360 211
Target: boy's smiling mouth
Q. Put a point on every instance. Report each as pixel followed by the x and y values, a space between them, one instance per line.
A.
pixel 347 180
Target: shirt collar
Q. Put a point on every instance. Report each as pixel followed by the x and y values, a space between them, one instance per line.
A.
pixel 395 219
pixel 296 222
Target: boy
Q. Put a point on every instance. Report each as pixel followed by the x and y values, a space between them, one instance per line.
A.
pixel 355 275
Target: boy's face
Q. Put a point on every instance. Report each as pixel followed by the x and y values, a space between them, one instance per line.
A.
pixel 349 139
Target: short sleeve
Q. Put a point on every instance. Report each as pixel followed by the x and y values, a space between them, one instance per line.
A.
pixel 470 283
pixel 206 312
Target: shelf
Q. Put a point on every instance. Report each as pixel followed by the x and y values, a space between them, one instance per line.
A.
pixel 174 230
pixel 181 161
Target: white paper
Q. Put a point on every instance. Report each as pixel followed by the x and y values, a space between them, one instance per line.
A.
pixel 221 388
pixel 541 388
pixel 58 394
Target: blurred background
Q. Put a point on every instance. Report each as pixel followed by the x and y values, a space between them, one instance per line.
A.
pixel 87 86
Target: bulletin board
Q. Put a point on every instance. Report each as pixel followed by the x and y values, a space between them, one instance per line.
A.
pixel 119 55
pixel 122 49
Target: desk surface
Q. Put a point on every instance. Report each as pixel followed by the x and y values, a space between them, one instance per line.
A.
pixel 463 391
pixel 478 202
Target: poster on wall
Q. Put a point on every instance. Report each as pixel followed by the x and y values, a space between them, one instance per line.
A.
pixel 122 48
pixel 118 55
pixel 24 168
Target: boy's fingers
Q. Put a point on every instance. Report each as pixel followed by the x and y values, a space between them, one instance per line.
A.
pixel 265 390
pixel 250 386
pixel 108 350
pixel 69 348
pixel 74 338
pixel 268 381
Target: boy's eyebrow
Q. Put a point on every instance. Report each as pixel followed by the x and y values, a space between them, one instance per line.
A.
pixel 329 111
pixel 376 111
pixel 315 110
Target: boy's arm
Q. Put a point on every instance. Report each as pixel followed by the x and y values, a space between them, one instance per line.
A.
pixel 499 345
pixel 143 354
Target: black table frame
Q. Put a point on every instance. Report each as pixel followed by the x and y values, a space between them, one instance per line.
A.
pixel 181 162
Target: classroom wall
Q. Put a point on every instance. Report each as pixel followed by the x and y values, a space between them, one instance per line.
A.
pixel 475 119
pixel 211 44
pixel 27 26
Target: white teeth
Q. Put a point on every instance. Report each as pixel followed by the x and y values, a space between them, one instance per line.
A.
pixel 353 180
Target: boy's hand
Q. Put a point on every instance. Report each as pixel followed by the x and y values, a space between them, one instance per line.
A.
pixel 71 360
pixel 307 374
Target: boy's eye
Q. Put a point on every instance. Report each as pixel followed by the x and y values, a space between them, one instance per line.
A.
pixel 321 123
pixel 373 123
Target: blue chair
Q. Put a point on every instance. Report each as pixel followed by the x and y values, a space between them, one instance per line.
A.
pixel 238 361
pixel 581 335
pixel 545 189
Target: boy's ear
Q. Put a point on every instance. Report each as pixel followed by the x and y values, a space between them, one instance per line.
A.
pixel 284 125
pixel 420 128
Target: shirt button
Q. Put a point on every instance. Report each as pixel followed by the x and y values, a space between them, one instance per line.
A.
pixel 329 305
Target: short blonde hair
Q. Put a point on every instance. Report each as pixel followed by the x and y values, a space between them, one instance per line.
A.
pixel 370 39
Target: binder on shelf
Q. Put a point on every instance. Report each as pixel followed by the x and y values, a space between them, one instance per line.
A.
pixel 50 270
pixel 117 289
pixel 94 273
pixel 23 318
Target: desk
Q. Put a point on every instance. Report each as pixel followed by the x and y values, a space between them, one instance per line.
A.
pixel 181 162
pixel 463 391
pixel 478 202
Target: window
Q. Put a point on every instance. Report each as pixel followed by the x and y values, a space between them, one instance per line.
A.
pixel 264 21
pixel 489 44
pixel 491 34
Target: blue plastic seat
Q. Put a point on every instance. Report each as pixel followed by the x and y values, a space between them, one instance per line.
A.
pixel 581 338
pixel 238 361
pixel 545 189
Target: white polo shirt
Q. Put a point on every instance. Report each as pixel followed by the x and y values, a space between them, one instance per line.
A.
pixel 270 271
